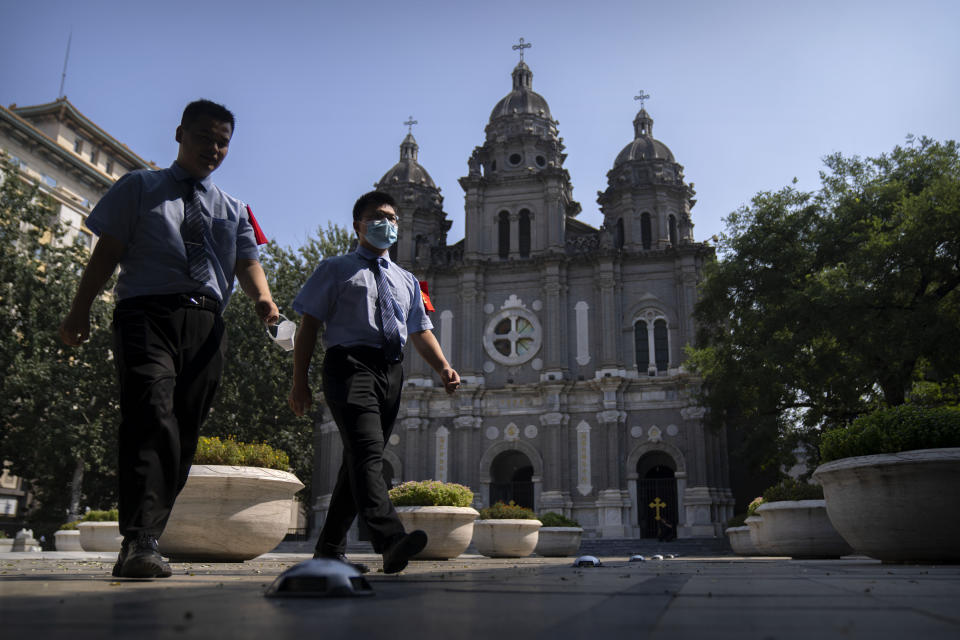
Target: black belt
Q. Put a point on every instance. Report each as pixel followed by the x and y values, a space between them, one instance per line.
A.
pixel 173 300
pixel 363 353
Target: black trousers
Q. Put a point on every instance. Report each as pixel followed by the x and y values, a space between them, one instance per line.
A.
pixel 169 352
pixel 362 391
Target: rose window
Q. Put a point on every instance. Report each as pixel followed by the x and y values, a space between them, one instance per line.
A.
pixel 513 336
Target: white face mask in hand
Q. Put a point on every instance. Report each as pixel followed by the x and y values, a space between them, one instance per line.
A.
pixel 283 333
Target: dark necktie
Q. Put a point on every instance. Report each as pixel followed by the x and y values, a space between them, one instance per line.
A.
pixel 388 318
pixel 194 232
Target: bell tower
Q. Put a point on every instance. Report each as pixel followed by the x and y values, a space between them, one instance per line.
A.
pixel 423 223
pixel 518 195
pixel 646 205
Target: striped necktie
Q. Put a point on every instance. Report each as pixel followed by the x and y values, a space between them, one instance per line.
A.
pixel 388 318
pixel 194 233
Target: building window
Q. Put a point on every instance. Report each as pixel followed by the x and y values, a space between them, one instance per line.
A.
pixel 642 345
pixel 108 167
pixel 645 233
pixel 50 182
pixel 78 145
pixel 618 238
pixel 515 159
pixel 672 220
pixel 503 234
pixel 652 346
pixel 524 234
pixel 514 335
pixel 93 156
pixel 660 344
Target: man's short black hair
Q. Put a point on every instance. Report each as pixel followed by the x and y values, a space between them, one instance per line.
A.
pixel 372 200
pixel 200 108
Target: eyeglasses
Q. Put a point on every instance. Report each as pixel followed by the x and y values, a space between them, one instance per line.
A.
pixel 382 215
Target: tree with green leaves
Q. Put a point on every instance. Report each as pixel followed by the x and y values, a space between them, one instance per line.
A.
pixel 826 304
pixel 251 403
pixel 57 405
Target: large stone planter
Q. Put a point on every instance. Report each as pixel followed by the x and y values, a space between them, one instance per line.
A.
pixel 740 541
pixel 67 540
pixel 506 538
pixel 898 507
pixel 801 529
pixel 229 514
pixel 758 536
pixel 100 536
pixel 558 542
pixel 6 545
pixel 449 529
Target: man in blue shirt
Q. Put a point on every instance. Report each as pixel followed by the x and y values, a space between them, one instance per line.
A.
pixel 370 307
pixel 179 241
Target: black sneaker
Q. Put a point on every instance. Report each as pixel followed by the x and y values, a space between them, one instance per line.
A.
pixel 359 566
pixel 142 559
pixel 396 556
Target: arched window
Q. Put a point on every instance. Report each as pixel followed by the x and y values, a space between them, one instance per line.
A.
pixel 645 233
pixel 503 233
pixel 618 234
pixel 672 221
pixel 642 343
pixel 652 343
pixel 661 344
pixel 524 233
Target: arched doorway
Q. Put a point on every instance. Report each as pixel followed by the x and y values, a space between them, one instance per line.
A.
pixel 511 478
pixel 657 496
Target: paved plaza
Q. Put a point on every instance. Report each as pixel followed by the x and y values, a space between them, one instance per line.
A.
pixel 72 595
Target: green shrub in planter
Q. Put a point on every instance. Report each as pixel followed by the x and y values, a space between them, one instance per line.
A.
pixel 791 489
pixel 754 505
pixel 552 519
pixel 431 493
pixel 737 520
pixel 903 428
pixel 109 515
pixel 501 511
pixel 240 454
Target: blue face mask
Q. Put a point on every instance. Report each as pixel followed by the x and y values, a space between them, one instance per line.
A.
pixel 381 234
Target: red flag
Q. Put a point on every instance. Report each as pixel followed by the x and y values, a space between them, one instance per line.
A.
pixel 257 232
pixel 425 294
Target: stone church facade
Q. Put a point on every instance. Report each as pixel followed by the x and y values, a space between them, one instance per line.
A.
pixel 569 339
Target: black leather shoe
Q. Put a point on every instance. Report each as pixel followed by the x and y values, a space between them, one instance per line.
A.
pixel 396 556
pixel 142 559
pixel 359 566
pixel 121 557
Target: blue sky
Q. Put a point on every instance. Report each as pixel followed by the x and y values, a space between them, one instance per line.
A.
pixel 747 95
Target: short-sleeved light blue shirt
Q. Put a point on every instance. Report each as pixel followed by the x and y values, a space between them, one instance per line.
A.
pixel 144 211
pixel 342 294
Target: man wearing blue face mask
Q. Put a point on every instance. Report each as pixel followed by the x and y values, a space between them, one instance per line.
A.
pixel 369 307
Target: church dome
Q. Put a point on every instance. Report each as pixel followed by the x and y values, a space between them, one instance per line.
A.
pixel 408 170
pixel 523 99
pixel 644 145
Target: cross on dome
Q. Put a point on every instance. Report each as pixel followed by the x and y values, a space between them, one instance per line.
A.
pixel 410 124
pixel 641 97
pixel 521 46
